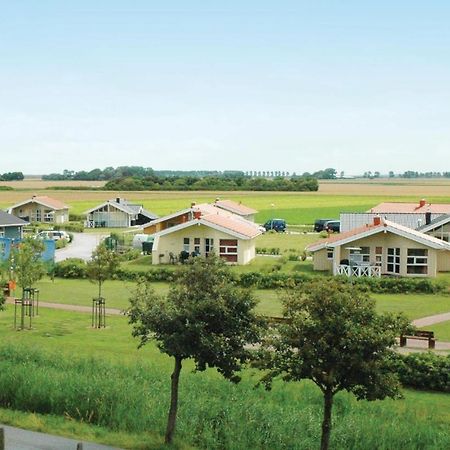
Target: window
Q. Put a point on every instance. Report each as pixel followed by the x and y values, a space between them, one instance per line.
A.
pixel 359 255
pixel 378 256
pixel 228 249
pixel 209 246
pixel 186 245
pixel 417 261
pixel 197 245
pixel 330 253
pixel 393 260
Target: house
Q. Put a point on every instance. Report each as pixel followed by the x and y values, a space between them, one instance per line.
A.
pixel 118 213
pixel 382 247
pixel 41 209
pixel 236 208
pixel 412 215
pixel 11 227
pixel 202 230
pixel 439 227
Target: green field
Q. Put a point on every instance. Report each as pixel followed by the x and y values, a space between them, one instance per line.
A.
pixel 65 361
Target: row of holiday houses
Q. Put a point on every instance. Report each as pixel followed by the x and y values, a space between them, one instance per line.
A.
pixel 398 239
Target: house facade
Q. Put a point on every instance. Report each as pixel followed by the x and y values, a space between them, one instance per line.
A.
pixel 41 209
pixel 118 213
pixel 202 230
pixel 382 248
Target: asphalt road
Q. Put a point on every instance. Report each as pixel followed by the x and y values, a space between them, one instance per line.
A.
pixel 18 439
pixel 81 247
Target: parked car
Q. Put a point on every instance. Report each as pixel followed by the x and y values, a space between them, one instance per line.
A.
pixel 333 226
pixel 278 225
pixel 53 234
pixel 319 224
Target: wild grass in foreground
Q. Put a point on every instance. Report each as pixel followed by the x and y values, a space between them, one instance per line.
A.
pixel 214 414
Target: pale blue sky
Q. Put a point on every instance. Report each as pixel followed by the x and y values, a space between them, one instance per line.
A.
pixel 251 85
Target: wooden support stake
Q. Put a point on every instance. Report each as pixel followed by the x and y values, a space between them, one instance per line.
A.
pixel 2 439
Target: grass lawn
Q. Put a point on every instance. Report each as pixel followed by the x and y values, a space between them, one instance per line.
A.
pixel 286 241
pixel 441 331
pixel 214 414
pixel 117 293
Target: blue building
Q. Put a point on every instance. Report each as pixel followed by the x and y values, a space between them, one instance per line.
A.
pixel 11 227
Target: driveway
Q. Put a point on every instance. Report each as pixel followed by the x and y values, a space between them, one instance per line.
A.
pixel 81 246
pixel 18 439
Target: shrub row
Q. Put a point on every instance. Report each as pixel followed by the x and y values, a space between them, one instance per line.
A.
pixel 267 251
pixel 76 268
pixel 76 227
pixel 427 371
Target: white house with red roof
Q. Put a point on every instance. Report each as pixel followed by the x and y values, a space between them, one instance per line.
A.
pixel 41 209
pixel 236 208
pixel 201 230
pixel 380 248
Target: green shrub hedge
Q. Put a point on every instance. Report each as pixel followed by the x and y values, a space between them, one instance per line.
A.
pixel 427 371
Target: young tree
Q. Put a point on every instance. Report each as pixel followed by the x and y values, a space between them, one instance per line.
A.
pixel 334 337
pixel 25 258
pixel 204 317
pixel 102 266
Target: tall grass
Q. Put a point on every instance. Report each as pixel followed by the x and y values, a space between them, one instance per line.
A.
pixel 214 414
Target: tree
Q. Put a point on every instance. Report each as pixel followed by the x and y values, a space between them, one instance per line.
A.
pixel 334 337
pixel 26 260
pixel 204 317
pixel 102 266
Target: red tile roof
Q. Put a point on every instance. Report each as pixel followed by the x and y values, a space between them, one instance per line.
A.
pixel 234 207
pixel 233 223
pixel 48 201
pixel 418 207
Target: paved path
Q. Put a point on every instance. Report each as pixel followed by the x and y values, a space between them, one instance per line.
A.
pixel 431 320
pixel 19 439
pixel 81 246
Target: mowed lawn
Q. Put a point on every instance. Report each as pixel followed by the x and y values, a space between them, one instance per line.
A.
pixel 117 294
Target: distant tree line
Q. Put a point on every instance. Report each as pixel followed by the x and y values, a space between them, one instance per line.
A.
pixel 11 176
pixel 406 174
pixel 190 183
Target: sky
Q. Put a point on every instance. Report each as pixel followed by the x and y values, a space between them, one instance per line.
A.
pixel 248 85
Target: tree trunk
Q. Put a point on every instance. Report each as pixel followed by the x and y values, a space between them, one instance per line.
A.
pixel 171 420
pixel 326 423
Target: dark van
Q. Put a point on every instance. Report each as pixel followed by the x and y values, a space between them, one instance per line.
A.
pixel 319 224
pixel 278 225
pixel 333 226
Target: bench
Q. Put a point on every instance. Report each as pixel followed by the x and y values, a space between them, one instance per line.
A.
pixel 421 335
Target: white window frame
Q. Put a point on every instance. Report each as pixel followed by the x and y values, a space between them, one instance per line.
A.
pixel 186 244
pixel 394 260
pixel 414 261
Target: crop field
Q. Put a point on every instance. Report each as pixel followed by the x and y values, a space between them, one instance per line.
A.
pixel 295 207
pixel 59 368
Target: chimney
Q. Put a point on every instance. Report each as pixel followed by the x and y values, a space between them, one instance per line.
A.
pixel 118 200
pixel 427 218
pixel 197 214
pixel 217 199
pixel 377 220
pixel 193 204
pixel 422 203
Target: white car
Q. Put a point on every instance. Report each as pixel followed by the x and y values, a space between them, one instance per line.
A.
pixel 55 235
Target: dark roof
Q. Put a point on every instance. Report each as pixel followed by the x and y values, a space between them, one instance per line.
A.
pixel 438 221
pixel 8 220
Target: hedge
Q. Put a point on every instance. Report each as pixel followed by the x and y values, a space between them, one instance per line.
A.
pixel 427 371
pixel 76 268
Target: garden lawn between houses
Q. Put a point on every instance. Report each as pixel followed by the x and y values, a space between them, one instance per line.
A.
pixel 117 293
pixel 65 361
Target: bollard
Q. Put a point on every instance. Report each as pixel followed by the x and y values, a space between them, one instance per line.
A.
pixel 79 446
pixel 2 439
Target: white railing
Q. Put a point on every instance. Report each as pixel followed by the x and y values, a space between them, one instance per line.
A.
pixel 359 271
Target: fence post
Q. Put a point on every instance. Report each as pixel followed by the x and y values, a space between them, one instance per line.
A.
pixel 79 446
pixel 2 439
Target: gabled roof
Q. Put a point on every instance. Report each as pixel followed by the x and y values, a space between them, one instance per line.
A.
pixel 234 207
pixel 438 222
pixel 126 207
pixel 42 200
pixel 233 225
pixel 369 230
pixel 8 220
pixel 418 207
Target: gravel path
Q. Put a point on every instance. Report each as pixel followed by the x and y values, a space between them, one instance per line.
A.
pixel 19 439
pixel 431 320
pixel 81 247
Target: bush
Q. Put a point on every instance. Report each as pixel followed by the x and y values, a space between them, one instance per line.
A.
pixel 71 268
pixel 129 254
pixel 424 371
pixel 61 243
pixel 76 227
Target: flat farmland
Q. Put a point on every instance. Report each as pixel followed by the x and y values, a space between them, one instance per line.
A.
pixel 295 207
